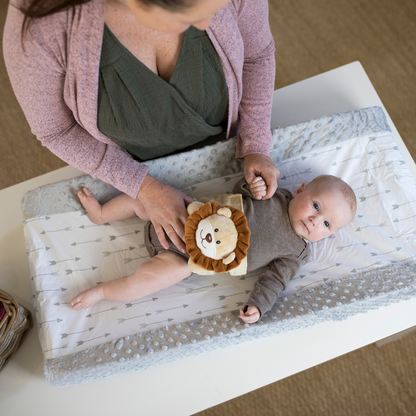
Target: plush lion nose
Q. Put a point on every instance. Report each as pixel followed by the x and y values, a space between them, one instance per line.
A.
pixel 208 237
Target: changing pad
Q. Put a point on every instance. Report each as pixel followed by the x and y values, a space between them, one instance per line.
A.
pixel 367 264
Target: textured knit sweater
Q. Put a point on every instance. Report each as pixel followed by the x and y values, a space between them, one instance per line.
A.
pixel 55 79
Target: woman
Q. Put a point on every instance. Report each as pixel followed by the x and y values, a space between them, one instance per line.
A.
pixel 106 84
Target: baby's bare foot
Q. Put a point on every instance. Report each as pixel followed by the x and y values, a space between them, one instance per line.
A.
pixel 87 298
pixel 90 203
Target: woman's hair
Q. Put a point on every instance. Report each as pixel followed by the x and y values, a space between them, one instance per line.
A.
pixel 172 5
pixel 35 9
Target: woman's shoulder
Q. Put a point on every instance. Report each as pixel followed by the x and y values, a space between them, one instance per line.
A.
pixel 53 36
pixel 81 16
pixel 248 15
pixel 247 6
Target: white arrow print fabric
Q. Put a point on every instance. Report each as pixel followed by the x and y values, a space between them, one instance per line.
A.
pixel 67 254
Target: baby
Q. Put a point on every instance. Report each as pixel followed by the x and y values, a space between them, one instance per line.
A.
pixel 281 228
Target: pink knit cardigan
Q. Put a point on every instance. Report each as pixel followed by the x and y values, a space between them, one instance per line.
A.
pixel 55 79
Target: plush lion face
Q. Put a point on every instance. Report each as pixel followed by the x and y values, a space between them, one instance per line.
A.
pixel 216 235
pixel 217 238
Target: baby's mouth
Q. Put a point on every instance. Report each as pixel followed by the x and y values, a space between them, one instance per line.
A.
pixel 307 229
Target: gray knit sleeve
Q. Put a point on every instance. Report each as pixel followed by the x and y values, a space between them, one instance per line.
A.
pixel 273 281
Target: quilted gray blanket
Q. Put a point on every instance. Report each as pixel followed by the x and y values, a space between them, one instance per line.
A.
pixel 362 290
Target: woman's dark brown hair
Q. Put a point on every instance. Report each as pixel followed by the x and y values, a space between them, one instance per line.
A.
pixel 35 9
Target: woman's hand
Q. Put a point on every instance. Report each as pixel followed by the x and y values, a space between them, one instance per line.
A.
pixel 256 165
pixel 166 208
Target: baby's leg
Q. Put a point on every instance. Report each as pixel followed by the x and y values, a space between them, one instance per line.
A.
pixel 119 208
pixel 160 272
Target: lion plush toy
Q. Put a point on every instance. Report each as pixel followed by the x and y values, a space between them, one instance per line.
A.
pixel 217 239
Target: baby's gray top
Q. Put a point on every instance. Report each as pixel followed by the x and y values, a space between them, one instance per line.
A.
pixel 273 244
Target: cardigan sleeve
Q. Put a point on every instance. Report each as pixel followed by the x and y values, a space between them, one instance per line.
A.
pixel 38 72
pixel 258 78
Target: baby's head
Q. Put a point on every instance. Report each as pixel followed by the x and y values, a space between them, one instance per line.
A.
pixel 322 207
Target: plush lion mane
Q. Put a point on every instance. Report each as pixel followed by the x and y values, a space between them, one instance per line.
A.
pixel 243 240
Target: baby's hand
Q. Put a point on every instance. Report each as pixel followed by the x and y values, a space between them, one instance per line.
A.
pixel 251 315
pixel 258 187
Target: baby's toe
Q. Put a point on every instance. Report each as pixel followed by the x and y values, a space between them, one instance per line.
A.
pixel 77 306
pixel 76 303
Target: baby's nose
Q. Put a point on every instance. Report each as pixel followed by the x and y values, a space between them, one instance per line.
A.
pixel 314 220
pixel 208 237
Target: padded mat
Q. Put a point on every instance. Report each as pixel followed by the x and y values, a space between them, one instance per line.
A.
pixel 67 254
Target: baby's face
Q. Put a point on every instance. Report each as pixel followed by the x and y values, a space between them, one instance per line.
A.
pixel 317 212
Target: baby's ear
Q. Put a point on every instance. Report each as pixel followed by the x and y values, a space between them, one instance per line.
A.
pixel 300 189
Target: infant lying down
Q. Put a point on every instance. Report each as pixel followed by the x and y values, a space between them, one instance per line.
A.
pixel 280 229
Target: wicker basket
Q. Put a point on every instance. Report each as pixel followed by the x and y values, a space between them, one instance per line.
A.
pixel 15 324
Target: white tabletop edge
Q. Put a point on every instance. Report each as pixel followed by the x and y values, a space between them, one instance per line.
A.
pixel 196 383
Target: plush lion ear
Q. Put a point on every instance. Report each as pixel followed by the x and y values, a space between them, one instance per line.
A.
pixel 229 258
pixel 193 206
pixel 225 212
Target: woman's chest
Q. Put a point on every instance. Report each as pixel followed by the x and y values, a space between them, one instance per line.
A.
pixel 158 51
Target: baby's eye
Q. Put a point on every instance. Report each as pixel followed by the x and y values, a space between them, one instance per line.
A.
pixel 216 230
pixel 326 224
pixel 218 242
pixel 316 206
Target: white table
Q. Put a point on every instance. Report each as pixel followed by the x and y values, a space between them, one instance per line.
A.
pixel 196 383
